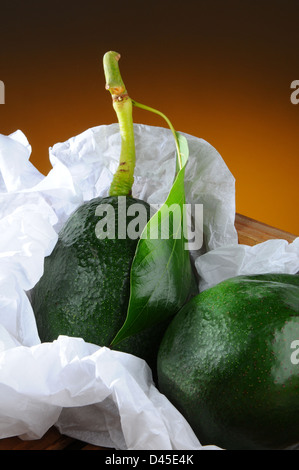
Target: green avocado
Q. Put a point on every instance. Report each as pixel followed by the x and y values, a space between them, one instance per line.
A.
pixel 86 285
pixel 229 361
pixel 84 291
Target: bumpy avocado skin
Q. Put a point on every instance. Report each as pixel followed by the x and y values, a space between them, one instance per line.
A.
pixel 84 291
pixel 225 362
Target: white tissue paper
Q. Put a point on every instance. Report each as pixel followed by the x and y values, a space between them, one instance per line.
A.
pixel 103 397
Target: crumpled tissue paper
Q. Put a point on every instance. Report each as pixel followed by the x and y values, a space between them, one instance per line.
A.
pixel 103 397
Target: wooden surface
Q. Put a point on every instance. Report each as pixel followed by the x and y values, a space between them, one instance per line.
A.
pixel 250 232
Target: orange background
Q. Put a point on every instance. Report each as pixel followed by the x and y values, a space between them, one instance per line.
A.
pixel 220 70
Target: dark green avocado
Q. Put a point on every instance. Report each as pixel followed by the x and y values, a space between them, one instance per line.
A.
pixel 84 291
pixel 228 362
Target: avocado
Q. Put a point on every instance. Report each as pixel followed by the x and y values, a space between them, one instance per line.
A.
pixel 227 362
pixel 85 287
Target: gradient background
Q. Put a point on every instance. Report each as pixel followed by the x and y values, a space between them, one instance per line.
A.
pixel 220 70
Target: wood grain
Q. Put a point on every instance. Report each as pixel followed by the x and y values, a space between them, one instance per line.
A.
pixel 250 232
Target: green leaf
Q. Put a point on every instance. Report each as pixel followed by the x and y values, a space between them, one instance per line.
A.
pixel 161 273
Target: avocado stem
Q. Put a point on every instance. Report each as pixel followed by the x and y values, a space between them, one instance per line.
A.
pixel 123 178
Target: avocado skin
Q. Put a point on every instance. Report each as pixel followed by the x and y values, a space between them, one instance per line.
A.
pixel 225 363
pixel 84 291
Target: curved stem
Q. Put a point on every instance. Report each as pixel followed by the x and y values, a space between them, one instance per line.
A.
pixel 152 110
pixel 123 178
